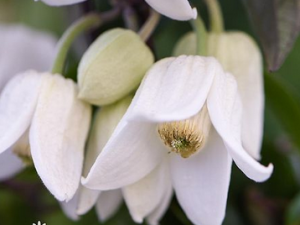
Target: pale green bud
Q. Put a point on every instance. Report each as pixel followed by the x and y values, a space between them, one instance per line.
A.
pixel 113 66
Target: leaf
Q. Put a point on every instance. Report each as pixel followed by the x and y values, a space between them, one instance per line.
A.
pixel 285 106
pixel 277 23
pixel 293 212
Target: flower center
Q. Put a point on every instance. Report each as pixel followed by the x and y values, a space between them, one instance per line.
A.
pixel 186 137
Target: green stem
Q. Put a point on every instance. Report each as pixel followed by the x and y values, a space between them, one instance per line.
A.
pixel 149 26
pixel 92 20
pixel 201 35
pixel 83 24
pixel 216 17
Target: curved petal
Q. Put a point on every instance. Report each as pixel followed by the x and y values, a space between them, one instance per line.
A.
pixel 157 214
pixel 132 152
pixel 105 122
pixel 58 134
pixel 225 110
pixel 145 195
pixel 61 2
pixel 108 204
pixel 17 103
pixel 174 89
pixel 69 208
pixel 175 9
pixel 240 56
pixel 86 200
pixel 23 48
pixel 10 165
pixel 201 182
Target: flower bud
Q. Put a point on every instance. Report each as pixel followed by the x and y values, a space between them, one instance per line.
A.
pixel 113 66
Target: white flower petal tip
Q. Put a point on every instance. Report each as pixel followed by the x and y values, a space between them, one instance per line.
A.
pixel 61 2
pixel 127 157
pixel 10 165
pixel 175 9
pixel 144 196
pixel 57 136
pixel 86 200
pixel 170 90
pixel 108 204
pixel 17 103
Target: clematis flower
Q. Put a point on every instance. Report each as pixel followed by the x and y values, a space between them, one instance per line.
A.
pixel 239 55
pixel 136 196
pixel 22 48
pixel 186 117
pixel 175 9
pixel 43 121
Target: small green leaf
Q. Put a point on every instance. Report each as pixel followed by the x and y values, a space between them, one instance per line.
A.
pixel 285 105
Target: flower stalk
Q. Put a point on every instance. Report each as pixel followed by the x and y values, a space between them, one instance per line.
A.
pixel 92 20
pixel 201 34
pixel 149 25
pixel 216 17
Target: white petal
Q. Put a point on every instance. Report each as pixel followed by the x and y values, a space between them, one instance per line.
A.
pixel 157 214
pixel 105 122
pixel 240 56
pixel 132 152
pixel 17 103
pixel 69 208
pixel 108 204
pixel 201 182
pixel 145 195
pixel 175 9
pixel 225 111
pixel 86 200
pixel 61 2
pixel 10 165
pixel 22 49
pixel 174 89
pixel 57 136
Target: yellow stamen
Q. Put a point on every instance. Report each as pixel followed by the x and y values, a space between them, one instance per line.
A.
pixel 186 137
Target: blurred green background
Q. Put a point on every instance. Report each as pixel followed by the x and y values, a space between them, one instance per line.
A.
pixel 24 200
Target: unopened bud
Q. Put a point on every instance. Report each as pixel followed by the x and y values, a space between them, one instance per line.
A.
pixel 113 66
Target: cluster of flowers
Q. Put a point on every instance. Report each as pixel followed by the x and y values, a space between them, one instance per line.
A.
pixel 190 117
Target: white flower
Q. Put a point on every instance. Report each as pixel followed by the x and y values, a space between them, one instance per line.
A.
pixel 196 92
pixel 175 9
pixel 44 109
pixel 21 49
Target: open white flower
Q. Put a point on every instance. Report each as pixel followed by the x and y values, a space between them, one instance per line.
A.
pixel 44 110
pixel 185 105
pixel 22 48
pixel 175 9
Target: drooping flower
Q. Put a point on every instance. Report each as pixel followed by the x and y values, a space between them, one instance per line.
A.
pixel 22 48
pixel 42 120
pixel 175 9
pixel 189 106
pixel 137 195
pixel 239 55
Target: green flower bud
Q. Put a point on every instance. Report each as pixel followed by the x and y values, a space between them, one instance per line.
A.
pixel 113 66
